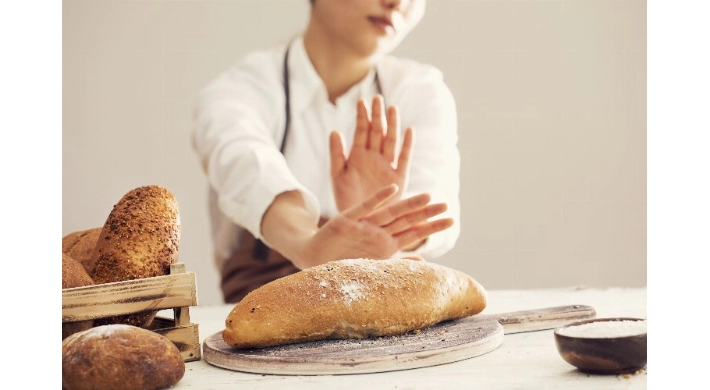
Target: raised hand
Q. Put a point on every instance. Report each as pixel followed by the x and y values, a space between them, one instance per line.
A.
pixel 373 161
pixel 372 230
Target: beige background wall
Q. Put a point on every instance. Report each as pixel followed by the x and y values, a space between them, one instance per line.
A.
pixel 551 97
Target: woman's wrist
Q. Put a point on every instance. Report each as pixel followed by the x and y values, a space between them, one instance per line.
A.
pixel 287 227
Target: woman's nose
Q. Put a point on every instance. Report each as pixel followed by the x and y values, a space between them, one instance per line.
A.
pixel 394 4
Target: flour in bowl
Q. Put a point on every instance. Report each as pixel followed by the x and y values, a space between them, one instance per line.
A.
pixel 605 329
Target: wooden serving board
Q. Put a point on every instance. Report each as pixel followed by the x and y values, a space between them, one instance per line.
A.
pixel 445 342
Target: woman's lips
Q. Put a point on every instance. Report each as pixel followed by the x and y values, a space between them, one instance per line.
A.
pixel 382 23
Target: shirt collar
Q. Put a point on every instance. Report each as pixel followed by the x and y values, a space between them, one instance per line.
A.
pixel 306 85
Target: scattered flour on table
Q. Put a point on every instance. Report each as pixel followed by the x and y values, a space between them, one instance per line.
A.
pixel 605 329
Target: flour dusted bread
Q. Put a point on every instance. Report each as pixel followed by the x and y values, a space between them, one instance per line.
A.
pixel 120 357
pixel 140 239
pixel 355 298
pixel 74 275
pixel 80 246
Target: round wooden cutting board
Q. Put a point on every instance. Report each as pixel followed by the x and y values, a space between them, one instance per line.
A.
pixel 443 343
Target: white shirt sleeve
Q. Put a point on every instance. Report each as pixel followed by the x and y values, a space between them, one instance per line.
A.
pixel 237 119
pixel 426 103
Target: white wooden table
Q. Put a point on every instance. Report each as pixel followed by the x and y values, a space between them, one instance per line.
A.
pixel 524 361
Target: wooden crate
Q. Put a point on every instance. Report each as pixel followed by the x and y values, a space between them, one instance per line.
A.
pixel 177 291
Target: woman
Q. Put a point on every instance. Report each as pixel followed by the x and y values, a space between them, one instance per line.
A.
pixel 284 193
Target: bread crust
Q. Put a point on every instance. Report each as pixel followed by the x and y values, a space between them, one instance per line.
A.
pixel 74 275
pixel 120 357
pixel 80 246
pixel 140 239
pixel 355 298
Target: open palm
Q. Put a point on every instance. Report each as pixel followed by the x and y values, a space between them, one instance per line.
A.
pixel 370 229
pixel 373 161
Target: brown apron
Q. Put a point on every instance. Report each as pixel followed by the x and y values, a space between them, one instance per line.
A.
pixel 248 269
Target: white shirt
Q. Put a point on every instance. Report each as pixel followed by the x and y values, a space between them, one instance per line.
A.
pixel 239 121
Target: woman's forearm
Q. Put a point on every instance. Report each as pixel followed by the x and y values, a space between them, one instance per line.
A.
pixel 287 226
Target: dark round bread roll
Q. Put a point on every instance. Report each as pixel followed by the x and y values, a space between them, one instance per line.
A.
pixel 80 246
pixel 120 357
pixel 140 239
pixel 74 275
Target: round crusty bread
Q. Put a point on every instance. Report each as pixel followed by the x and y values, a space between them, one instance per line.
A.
pixel 354 298
pixel 80 246
pixel 74 275
pixel 140 239
pixel 120 357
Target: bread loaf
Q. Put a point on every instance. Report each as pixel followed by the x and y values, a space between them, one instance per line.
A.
pixel 120 357
pixel 80 246
pixel 355 298
pixel 140 239
pixel 74 275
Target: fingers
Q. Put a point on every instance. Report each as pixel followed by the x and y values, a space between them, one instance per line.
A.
pixel 406 152
pixel 408 221
pixel 372 203
pixel 403 207
pixel 422 231
pixel 379 124
pixel 362 125
pixel 390 141
pixel 337 153
pixel 382 131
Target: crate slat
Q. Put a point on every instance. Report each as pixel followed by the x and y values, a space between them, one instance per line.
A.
pixel 127 297
pixel 186 337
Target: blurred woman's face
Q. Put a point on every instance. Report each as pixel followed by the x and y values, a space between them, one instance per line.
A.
pixel 367 26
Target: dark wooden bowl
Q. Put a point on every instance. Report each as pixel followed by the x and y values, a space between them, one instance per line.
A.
pixel 603 355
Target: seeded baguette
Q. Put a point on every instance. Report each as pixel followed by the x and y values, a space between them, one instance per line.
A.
pixel 356 298
pixel 140 239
